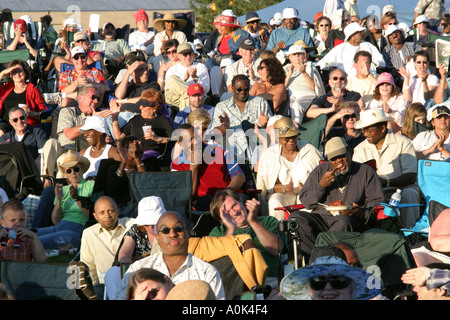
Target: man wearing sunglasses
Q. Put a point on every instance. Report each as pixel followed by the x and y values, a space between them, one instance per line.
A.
pixel 80 74
pixel 174 260
pixel 33 137
pixel 330 102
pixel 184 73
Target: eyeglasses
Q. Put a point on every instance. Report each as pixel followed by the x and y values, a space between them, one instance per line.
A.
pixel 261 67
pixel 184 54
pixel 443 25
pixel 81 56
pixel 324 25
pixel 94 97
pixel 21 118
pixel 75 170
pixel 339 78
pixel 81 40
pixel 16 71
pixel 293 138
pixel 348 116
pixel 171 52
pixel 422 62
pixel 177 229
pixel 337 282
pixel 242 89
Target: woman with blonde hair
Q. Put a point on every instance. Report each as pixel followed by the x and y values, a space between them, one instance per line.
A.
pixel 414 113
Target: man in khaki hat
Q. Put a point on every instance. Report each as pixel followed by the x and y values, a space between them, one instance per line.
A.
pixel 395 160
pixel 339 178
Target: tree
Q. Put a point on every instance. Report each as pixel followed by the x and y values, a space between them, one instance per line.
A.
pixel 206 10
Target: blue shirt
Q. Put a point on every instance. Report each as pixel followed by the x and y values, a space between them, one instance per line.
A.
pixel 181 117
pixel 289 37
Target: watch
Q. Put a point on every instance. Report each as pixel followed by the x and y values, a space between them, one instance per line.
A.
pixel 160 139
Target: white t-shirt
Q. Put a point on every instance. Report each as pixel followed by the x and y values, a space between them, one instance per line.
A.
pixel 137 39
pixel 416 87
pixel 425 139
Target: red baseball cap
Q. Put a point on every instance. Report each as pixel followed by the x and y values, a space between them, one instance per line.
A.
pixel 22 24
pixel 195 88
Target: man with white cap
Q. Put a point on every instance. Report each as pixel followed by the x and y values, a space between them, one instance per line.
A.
pixel 355 185
pixel 342 55
pixel 397 51
pixel 395 160
pixel 303 82
pixel 282 38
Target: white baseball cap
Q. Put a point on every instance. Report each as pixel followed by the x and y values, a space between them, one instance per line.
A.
pixel 96 123
pixel 149 211
pixel 77 49
pixel 289 13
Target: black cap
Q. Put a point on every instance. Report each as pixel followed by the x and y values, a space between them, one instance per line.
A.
pixel 247 43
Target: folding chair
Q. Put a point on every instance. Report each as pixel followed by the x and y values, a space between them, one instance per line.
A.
pixel 313 131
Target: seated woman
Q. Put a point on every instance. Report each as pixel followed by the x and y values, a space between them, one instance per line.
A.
pixel 148 284
pixel 415 114
pixel 95 132
pixel 434 144
pixel 388 97
pixel 19 91
pixel 153 129
pixel 213 167
pixel 284 167
pixel 323 27
pixel 422 86
pixel 69 217
pixel 348 114
pixel 271 86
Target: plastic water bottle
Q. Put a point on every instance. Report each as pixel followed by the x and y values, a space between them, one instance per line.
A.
pixel 396 198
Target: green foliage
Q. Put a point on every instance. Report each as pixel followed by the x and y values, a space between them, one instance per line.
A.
pixel 206 10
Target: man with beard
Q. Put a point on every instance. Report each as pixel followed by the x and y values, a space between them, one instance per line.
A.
pixel 338 180
pixel 282 38
pixel 398 51
pixel 330 102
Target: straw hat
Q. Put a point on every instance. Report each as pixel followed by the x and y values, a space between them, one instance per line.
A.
pixel 158 24
pixel 286 127
pixel 191 290
pixel 370 117
pixel 294 285
pixel 70 159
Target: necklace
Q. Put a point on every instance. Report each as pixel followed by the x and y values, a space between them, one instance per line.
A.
pixel 339 177
pixel 99 149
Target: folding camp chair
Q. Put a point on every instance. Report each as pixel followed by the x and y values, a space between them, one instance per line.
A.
pixel 313 131
pixel 7 56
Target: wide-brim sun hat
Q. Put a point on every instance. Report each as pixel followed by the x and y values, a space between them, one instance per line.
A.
pixel 294 286
pixel 286 127
pixel 370 117
pixel 70 159
pixel 353 28
pixel 158 24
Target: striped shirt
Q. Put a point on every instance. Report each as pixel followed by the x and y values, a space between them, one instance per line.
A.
pixel 399 58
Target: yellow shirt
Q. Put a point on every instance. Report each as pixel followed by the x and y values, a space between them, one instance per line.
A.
pixel 99 247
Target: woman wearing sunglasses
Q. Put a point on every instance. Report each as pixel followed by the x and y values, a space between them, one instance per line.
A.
pixel 330 278
pixel 389 97
pixel 68 216
pixel 323 27
pixel 19 91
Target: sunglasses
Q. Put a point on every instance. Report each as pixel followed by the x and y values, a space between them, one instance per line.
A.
pixel 324 25
pixel 422 62
pixel 81 56
pixel 348 116
pixel 81 40
pixel 177 229
pixel 337 282
pixel 261 67
pixel 242 89
pixel 443 25
pixel 171 52
pixel 94 97
pixel 338 78
pixel 293 138
pixel 184 54
pixel 75 170
pixel 21 118
pixel 16 71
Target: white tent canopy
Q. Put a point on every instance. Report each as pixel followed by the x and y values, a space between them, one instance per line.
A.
pixel 308 8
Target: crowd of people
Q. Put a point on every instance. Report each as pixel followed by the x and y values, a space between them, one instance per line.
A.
pixel 229 107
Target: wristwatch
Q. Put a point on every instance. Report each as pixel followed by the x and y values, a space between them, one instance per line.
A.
pixel 160 139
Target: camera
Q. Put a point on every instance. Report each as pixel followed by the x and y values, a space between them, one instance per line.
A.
pixel 12 234
pixel 289 226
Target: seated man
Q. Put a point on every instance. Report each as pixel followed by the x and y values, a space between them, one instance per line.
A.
pixel 142 38
pixel 337 180
pixel 71 80
pixel 184 73
pixel 237 218
pixel 100 242
pixel 174 260
pixel 363 81
pixel 396 162
pixel 130 91
pixel 17 242
pixel 213 168
pixel 329 103
pixel 196 96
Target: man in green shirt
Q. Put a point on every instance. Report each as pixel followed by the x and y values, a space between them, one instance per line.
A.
pixel 237 218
